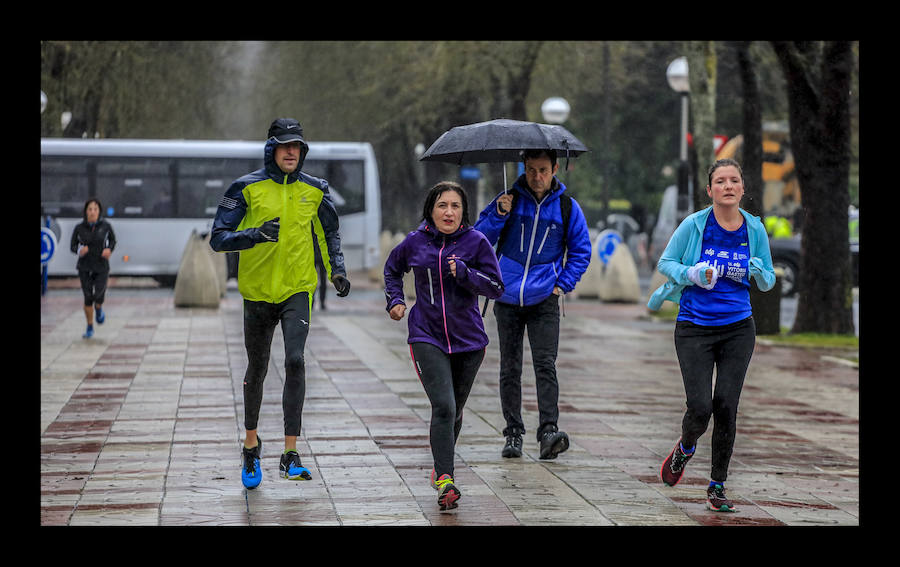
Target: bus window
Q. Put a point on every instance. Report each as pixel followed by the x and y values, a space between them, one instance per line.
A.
pixel 201 182
pixel 345 182
pixel 133 187
pixel 64 186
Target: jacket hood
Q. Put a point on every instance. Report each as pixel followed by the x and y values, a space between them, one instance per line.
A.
pixel 273 171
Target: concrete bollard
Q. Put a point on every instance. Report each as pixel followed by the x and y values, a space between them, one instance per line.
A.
pixel 220 263
pixel 588 286
pixel 619 278
pixel 376 273
pixel 197 283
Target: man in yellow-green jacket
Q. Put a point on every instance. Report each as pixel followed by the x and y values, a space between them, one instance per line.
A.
pixel 275 216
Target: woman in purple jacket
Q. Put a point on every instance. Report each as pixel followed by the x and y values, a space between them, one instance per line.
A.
pixel 452 264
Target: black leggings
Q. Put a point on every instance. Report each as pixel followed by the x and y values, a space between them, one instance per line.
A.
pixel 93 286
pixel 260 319
pixel 447 379
pixel 727 348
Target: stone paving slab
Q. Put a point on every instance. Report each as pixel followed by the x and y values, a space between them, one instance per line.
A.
pixel 141 426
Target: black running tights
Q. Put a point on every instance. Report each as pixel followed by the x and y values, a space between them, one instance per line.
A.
pixel 260 320
pixel 727 348
pixel 447 379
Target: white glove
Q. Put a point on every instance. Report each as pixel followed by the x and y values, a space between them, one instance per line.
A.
pixel 697 274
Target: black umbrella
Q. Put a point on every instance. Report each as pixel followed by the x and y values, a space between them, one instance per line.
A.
pixel 501 140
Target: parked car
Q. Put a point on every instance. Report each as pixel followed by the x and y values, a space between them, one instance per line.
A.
pixel 786 254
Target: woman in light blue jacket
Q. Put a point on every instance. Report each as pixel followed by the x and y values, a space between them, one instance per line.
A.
pixel 709 262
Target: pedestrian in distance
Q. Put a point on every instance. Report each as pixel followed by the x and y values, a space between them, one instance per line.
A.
pixel 93 240
pixel 452 265
pixel 544 248
pixel 709 261
pixel 269 215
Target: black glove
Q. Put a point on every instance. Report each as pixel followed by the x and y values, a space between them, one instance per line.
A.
pixel 268 232
pixel 341 284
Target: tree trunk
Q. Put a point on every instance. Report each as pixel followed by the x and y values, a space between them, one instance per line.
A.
pixel 701 57
pixel 818 81
pixel 752 158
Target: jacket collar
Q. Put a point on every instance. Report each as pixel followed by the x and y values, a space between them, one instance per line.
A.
pixel 556 188
pixel 701 216
pixel 428 228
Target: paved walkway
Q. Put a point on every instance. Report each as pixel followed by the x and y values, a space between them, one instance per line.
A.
pixel 141 425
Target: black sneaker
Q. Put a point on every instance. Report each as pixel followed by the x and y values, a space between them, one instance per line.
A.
pixel 513 447
pixel 716 499
pixel 291 469
pixel 553 443
pixel 673 467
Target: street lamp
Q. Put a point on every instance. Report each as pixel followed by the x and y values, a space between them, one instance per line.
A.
pixel 43 102
pixel 677 75
pixel 555 110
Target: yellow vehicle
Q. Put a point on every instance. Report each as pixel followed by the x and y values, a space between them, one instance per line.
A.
pixel 781 193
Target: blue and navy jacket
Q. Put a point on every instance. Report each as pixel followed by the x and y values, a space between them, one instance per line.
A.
pixel 538 253
pixel 273 271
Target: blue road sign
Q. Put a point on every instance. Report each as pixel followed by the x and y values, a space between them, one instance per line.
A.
pixel 48 245
pixel 469 172
pixel 606 244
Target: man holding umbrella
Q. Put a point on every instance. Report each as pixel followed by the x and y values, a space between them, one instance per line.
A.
pixel 544 248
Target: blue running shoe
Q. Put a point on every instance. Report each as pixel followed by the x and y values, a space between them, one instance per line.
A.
pixel 89 333
pixel 101 316
pixel 251 472
pixel 291 468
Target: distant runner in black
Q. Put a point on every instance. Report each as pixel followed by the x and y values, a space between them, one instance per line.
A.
pixel 93 240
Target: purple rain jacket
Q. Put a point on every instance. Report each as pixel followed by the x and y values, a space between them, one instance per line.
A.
pixel 446 310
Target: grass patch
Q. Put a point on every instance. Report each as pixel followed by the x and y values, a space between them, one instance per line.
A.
pixel 669 312
pixel 820 340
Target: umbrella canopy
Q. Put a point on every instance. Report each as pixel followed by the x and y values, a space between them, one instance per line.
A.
pixel 501 140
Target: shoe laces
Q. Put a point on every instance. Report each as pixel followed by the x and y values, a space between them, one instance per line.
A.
pixel 444 480
pixel 293 458
pixel 718 490
pixel 679 459
pixel 249 462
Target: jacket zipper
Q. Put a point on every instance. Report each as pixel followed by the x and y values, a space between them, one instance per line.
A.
pixel 430 285
pixel 546 232
pixel 443 307
pixel 537 214
pixel 279 252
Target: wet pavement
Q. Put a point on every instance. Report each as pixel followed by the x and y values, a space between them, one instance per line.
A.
pixel 142 425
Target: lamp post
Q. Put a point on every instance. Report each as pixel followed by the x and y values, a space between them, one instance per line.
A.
pixel 555 110
pixel 677 75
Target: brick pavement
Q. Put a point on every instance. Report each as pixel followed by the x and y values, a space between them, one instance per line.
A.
pixel 141 425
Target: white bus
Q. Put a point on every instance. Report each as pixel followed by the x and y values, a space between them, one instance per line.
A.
pixel 156 192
